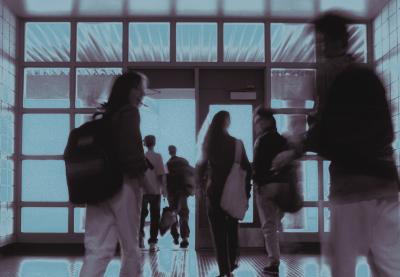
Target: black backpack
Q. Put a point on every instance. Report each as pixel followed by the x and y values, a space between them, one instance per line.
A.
pixel 93 173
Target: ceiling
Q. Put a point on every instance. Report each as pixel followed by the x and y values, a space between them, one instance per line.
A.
pixel 286 9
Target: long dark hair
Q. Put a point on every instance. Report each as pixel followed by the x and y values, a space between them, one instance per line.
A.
pixel 121 89
pixel 215 133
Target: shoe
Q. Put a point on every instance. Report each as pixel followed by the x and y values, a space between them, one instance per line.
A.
pixel 153 247
pixel 176 241
pixel 234 267
pixel 184 243
pixel 141 243
pixel 272 270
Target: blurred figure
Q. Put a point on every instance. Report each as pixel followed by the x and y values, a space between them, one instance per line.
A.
pixel 152 196
pixel 218 157
pixel 117 219
pixel 178 190
pixel 268 144
pixel 353 129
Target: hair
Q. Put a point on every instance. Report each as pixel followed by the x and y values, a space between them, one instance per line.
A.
pixel 215 133
pixel 149 141
pixel 266 114
pixel 121 89
pixel 333 26
pixel 172 148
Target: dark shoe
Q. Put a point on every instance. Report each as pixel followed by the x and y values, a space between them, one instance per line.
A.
pixel 176 241
pixel 234 267
pixel 272 270
pixel 184 243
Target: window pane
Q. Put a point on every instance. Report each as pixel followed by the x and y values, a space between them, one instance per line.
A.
pixel 79 220
pixel 82 118
pixel 291 124
pixel 93 85
pixel 99 42
pixel 6 132
pixel 196 42
pixel 6 220
pixel 292 43
pixel 59 267
pixel 6 181
pixel 305 221
pixel 47 42
pixel 44 181
pixel 309 179
pixel 327 179
pixel 45 134
pixel 52 220
pixel 149 42
pixel 46 88
pixel 244 42
pixel 327 220
pixel 358 41
pixel 292 88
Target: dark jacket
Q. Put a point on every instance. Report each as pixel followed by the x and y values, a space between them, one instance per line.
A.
pixel 178 169
pixel 128 141
pixel 354 130
pixel 266 147
pixel 218 166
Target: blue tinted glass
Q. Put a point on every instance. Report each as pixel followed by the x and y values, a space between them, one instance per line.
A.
pixel 292 43
pixel 7 120
pixel 6 180
pixel 45 134
pixel 305 221
pixel 327 179
pixel 79 220
pixel 6 220
pixel 309 180
pixel 99 42
pixel 45 267
pixel 44 181
pixel 93 85
pixel 149 42
pixel 44 220
pixel 244 42
pixel 358 41
pixel 46 88
pixel 196 42
pixel 47 42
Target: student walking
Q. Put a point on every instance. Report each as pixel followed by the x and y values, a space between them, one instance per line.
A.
pixel 268 144
pixel 155 175
pixel 117 219
pixel 179 188
pixel 353 129
pixel 218 157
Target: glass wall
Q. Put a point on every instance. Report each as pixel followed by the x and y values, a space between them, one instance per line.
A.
pixel 69 68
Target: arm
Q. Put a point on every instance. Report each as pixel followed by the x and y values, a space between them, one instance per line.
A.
pixel 128 142
pixel 245 164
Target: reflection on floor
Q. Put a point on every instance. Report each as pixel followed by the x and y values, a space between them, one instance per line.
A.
pixel 170 262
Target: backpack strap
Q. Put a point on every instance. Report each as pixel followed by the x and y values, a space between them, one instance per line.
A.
pixel 238 151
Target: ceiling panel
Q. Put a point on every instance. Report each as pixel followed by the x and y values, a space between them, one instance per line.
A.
pixel 291 9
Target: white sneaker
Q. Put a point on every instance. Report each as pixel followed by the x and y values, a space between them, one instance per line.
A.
pixel 153 247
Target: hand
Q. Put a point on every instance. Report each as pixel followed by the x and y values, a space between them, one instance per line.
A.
pixel 282 159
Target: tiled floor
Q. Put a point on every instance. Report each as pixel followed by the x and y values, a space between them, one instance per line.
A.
pixel 170 262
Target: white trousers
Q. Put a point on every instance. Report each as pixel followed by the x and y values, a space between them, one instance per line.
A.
pixel 368 228
pixel 115 220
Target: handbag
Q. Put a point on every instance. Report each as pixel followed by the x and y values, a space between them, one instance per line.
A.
pixel 234 199
pixel 289 199
pixel 168 218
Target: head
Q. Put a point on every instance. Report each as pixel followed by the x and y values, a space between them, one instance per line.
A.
pixel 128 89
pixel 217 130
pixel 172 150
pixel 149 141
pixel 332 34
pixel 264 120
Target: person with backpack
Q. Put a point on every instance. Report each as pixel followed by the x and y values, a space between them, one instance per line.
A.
pixel 218 158
pixel 179 188
pixel 353 129
pixel 155 175
pixel 117 218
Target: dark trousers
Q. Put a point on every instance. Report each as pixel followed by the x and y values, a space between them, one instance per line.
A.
pixel 154 200
pixel 178 202
pixel 225 232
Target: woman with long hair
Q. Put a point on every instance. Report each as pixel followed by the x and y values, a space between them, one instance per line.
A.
pixel 218 158
pixel 117 219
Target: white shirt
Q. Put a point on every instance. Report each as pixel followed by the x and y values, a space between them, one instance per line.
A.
pixel 154 186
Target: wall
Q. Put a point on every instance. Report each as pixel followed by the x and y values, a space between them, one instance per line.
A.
pixel 7 99
pixel 387 59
